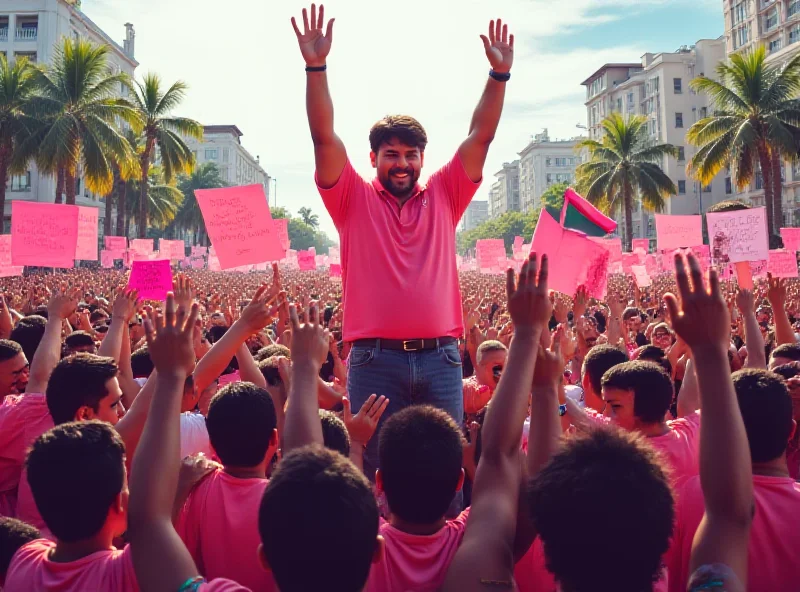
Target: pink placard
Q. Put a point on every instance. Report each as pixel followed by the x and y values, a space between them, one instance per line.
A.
pixel 743 275
pixel 640 243
pixel 86 249
pixel 488 251
pixel 336 270
pixel 43 234
pixel 782 263
pixel 106 258
pixel 282 230
pixel 518 242
pixel 6 268
pixel 334 256
pixel 142 245
pixel 172 249
pixel 153 279
pixel 740 235
pixel 791 239
pixel 674 232
pixel 306 260
pixel 213 263
pixel 198 251
pixel 198 264
pixel 117 244
pixel 641 276
pixel 240 225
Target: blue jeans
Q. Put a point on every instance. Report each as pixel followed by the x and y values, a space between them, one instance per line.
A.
pixel 431 377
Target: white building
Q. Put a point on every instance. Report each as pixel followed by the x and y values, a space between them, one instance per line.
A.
pixel 33 28
pixel 658 89
pixel 477 213
pixel 221 144
pixel 504 192
pixel 542 163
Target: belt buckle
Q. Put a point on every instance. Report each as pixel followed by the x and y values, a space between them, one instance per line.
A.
pixel 407 348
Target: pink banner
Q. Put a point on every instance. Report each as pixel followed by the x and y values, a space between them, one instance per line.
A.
pixel 791 239
pixel 106 258
pixel 282 230
pixel 782 264
pixel 240 225
pixel 86 249
pixel 117 244
pixel 740 235
pixel 43 234
pixel 153 279
pixel 142 245
pixel 174 250
pixel 306 260
pixel 674 232
pixel 641 243
pixel 6 268
pixel 336 270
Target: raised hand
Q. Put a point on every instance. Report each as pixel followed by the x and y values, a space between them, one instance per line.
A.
pixel 258 313
pixel 745 302
pixel 63 303
pixel 125 305
pixel 184 291
pixel 363 424
pixel 528 300
pixel 499 46
pixel 309 339
pixel 776 293
pixel 549 367
pixel 314 44
pixel 170 338
pixel 701 318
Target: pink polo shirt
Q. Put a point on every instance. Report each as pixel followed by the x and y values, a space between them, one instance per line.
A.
pixel 399 264
pixel 773 561
pixel 23 418
pixel 680 447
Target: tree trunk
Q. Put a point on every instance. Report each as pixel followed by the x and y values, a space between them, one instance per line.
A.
pixel 60 185
pixel 627 204
pixel 766 175
pixel 777 195
pixel 142 222
pixel 122 191
pixel 69 180
pixel 3 181
pixel 127 226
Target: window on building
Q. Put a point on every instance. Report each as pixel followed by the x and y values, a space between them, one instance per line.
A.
pixel 759 180
pixel 677 85
pixel 681 187
pixel 774 45
pixel 741 36
pixel 211 154
pixel 793 8
pixel 19 182
pixel 679 120
pixel 547 161
pixel 728 186
pixel 681 154
pixel 771 19
pixel 619 104
pixel 703 112
pixel 739 12
pixel 226 154
pixel 707 188
pixel 794 34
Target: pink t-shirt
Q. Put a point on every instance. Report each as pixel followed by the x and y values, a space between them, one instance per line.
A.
pixel 774 549
pixel 219 525
pixel 680 447
pixel 222 585
pixel 399 265
pixel 416 562
pixel 31 570
pixel 23 418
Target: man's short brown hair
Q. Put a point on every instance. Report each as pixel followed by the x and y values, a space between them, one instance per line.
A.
pixel 405 128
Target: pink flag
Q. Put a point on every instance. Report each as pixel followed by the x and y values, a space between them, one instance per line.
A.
pixel 117 244
pixel 43 234
pixel 142 245
pixel 791 239
pixel 782 264
pixel 6 268
pixel 240 225
pixel 739 235
pixel 106 258
pixel 153 279
pixel 282 230
pixel 336 270
pixel 614 248
pixel 641 243
pixel 306 260
pixel 576 203
pixel 86 249
pixel 674 232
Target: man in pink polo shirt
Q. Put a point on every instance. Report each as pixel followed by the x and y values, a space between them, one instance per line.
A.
pixel 402 305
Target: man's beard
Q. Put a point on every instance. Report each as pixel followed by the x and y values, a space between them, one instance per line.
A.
pixel 397 191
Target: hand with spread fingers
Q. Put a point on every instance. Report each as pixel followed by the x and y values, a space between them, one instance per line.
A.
pixel 528 299
pixel 499 47
pixel 363 424
pixel 170 338
pixel 315 45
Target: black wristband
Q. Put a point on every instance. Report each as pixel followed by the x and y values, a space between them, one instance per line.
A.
pixel 500 76
pixel 316 68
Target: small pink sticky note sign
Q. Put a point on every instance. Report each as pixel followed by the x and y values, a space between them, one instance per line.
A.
pixel 142 245
pixel 198 251
pixel 306 260
pixel 240 225
pixel 6 267
pixel 153 279
pixel 106 258
pixel 641 243
pixel 782 263
pixel 674 232
pixel 43 234
pixel 86 248
pixel 117 244
pixel 744 276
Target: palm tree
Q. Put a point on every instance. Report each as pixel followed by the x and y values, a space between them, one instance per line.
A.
pixel 189 217
pixel 756 119
pixel 77 102
pixel 163 199
pixel 17 84
pixel 124 171
pixel 165 131
pixel 308 217
pixel 624 165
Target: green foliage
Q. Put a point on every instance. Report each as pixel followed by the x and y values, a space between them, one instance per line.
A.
pixel 553 197
pixel 507 226
pixel 302 234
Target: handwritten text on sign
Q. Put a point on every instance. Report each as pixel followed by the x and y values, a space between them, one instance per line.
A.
pixel 116 244
pixel 674 232
pixel 86 249
pixel 240 225
pixel 741 235
pixel 153 279
pixel 791 239
pixel 6 268
pixel 782 264
pixel 43 234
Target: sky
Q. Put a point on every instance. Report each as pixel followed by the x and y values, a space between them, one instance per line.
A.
pixel 419 57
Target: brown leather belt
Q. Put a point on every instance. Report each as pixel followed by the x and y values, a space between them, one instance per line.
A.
pixel 407 345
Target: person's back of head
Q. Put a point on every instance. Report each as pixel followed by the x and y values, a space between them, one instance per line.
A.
pixel 13 535
pixel 80 341
pixel 420 459
pixel 639 393
pixel 334 433
pixel 76 472
pixel 318 505
pixel 783 354
pixel 766 409
pixel 270 372
pixel 242 424
pixel 273 349
pixel 28 333
pixel 79 384
pixel 141 364
pixel 652 353
pixel 605 489
pixel 9 349
pixel 599 360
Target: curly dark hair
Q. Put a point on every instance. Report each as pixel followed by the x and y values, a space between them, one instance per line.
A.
pixel 405 128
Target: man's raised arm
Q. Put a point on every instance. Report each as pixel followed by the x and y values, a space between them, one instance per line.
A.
pixel 329 151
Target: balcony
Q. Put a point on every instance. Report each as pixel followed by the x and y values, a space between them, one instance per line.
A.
pixel 27 33
pixel 3 34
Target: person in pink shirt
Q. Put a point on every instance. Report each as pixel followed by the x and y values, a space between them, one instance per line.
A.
pixel 478 389
pixel 13 535
pixel 13 369
pixel 773 557
pixel 401 298
pixel 217 522
pixel 77 475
